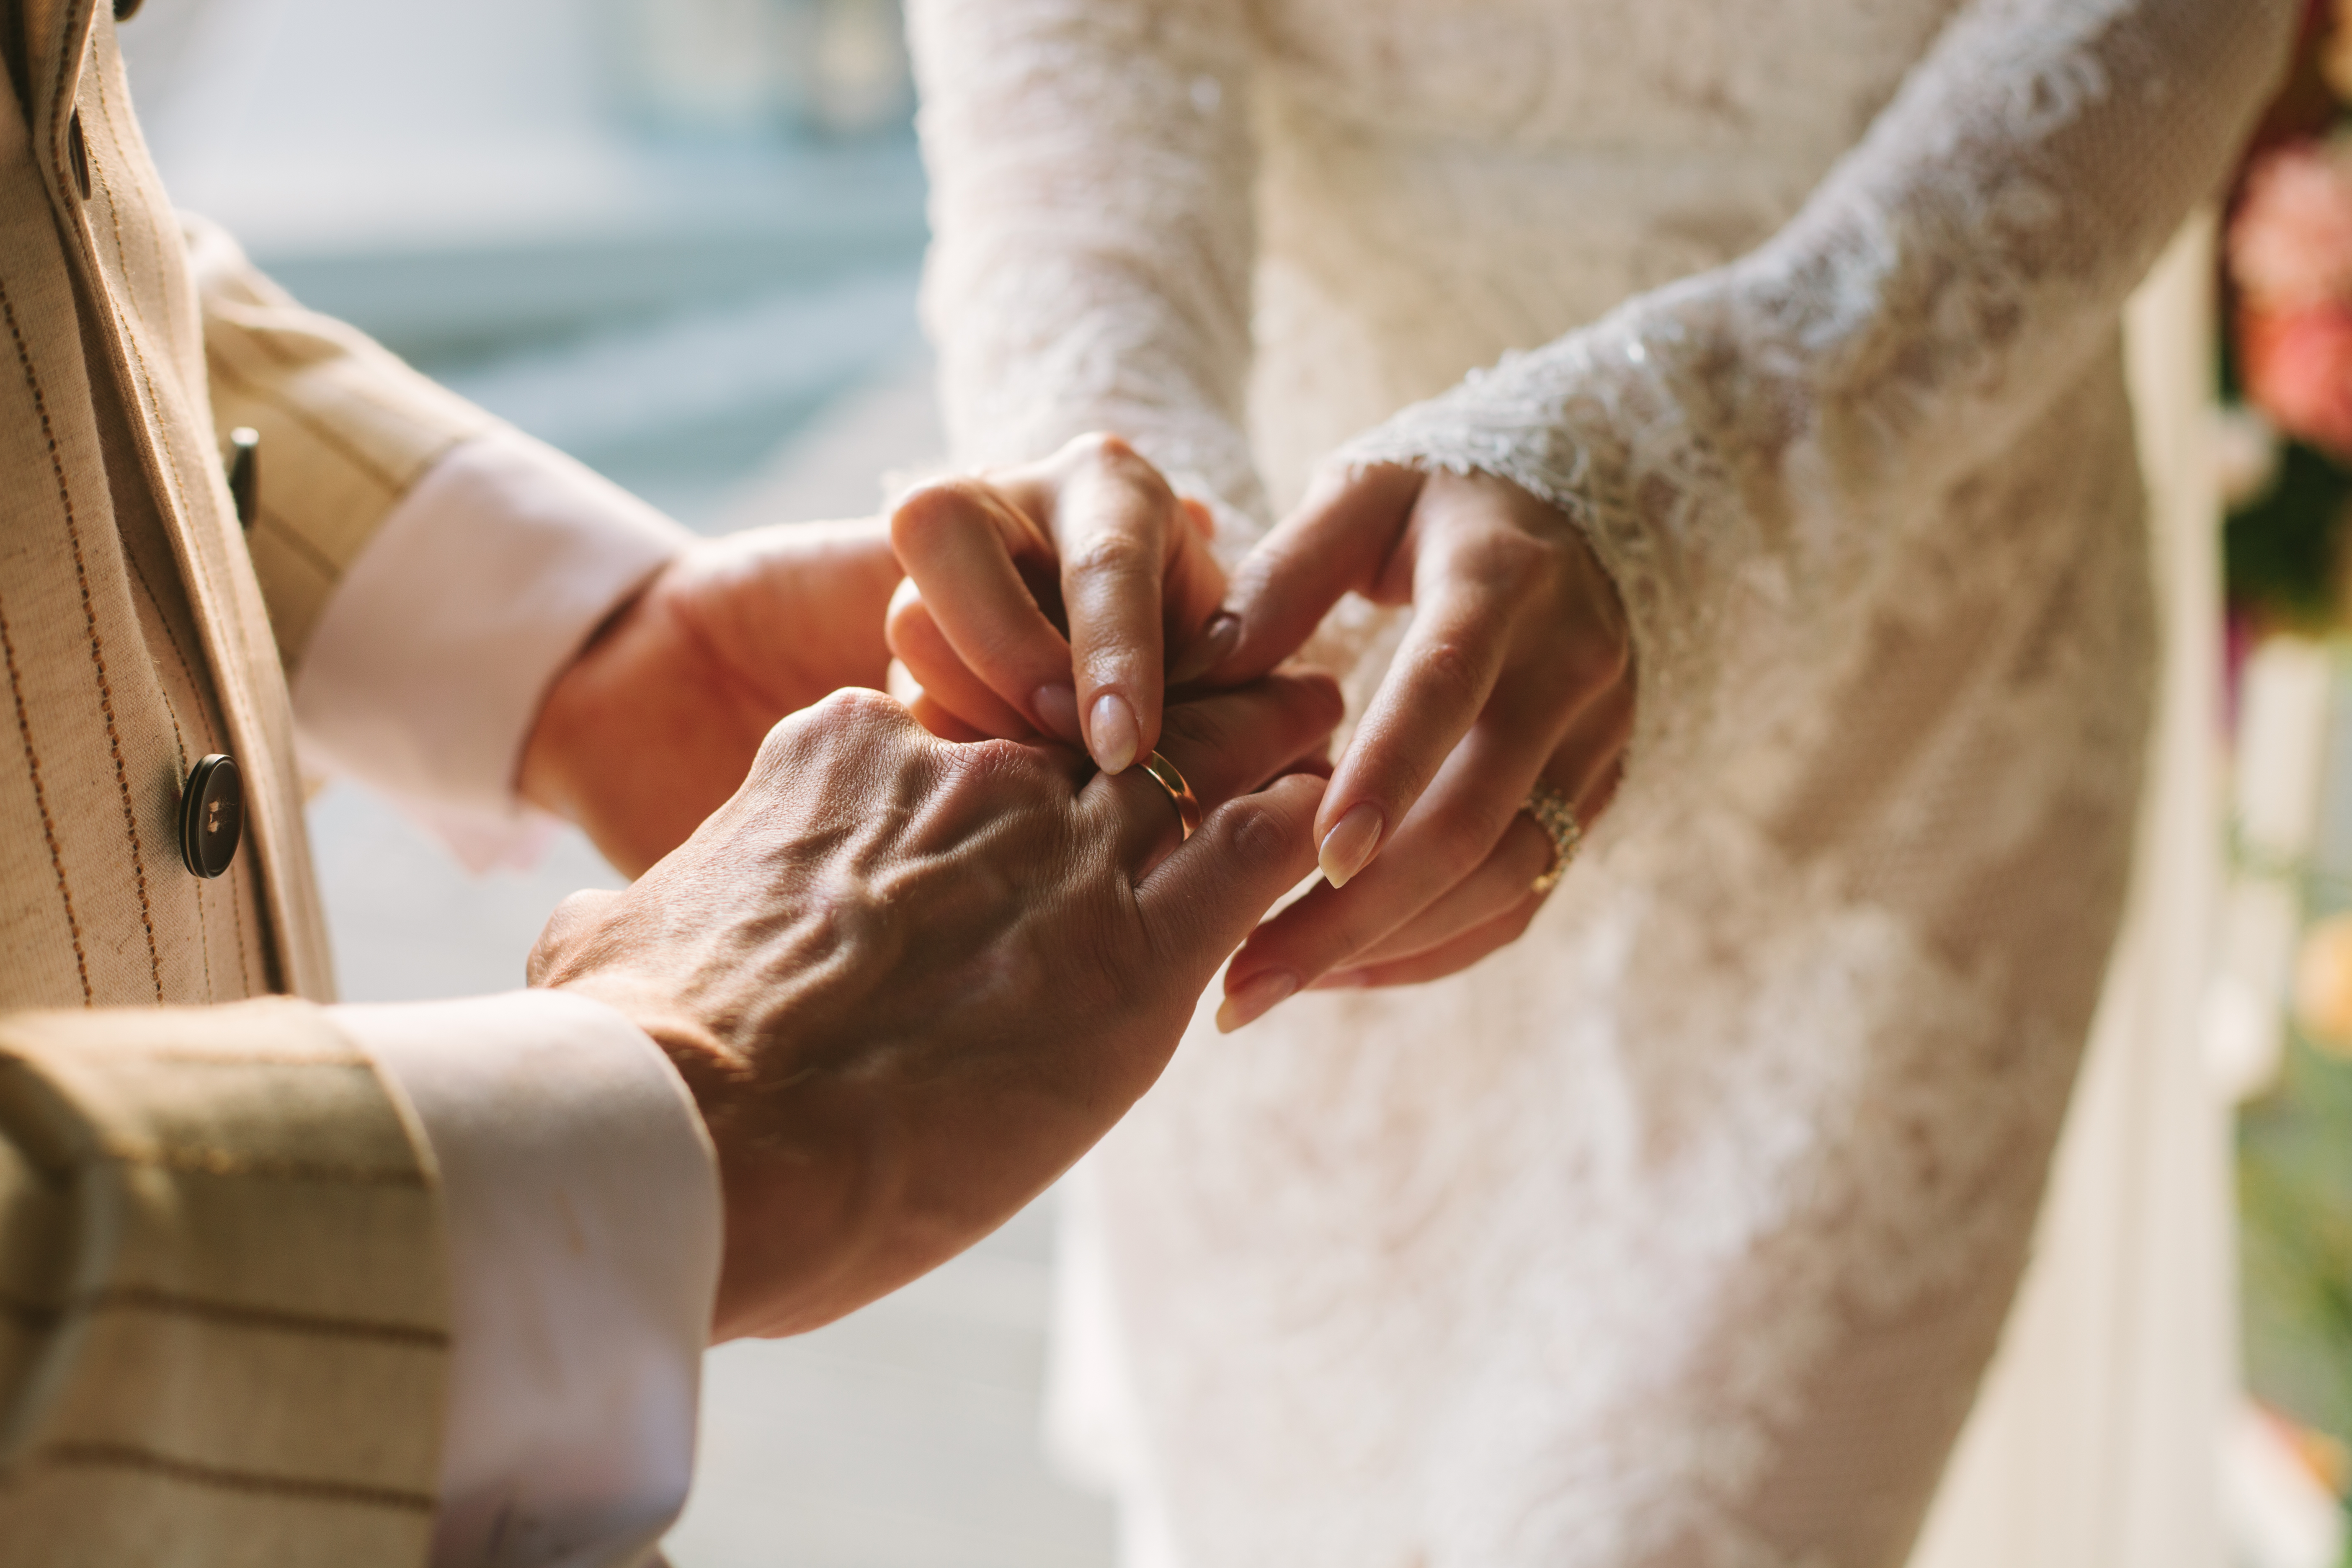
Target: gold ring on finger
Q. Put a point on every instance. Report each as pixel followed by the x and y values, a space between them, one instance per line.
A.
pixel 1165 775
pixel 1557 818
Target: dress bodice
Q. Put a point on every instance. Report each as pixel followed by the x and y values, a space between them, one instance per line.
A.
pixel 1679 1232
pixel 1531 164
pixel 1616 77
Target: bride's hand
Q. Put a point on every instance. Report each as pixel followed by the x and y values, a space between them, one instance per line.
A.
pixel 1043 599
pixel 1518 667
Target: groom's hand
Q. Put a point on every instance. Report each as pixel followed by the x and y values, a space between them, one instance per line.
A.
pixel 909 981
pixel 656 721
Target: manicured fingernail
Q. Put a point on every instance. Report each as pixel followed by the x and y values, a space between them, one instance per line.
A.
pixel 1057 708
pixel 1113 732
pixel 1253 997
pixel 1217 639
pixel 1351 843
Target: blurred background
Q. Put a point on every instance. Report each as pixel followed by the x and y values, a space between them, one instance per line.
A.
pixel 678 238
pixel 2278 1023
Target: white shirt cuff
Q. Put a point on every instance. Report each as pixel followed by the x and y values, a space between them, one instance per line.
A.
pixel 432 657
pixel 585 1228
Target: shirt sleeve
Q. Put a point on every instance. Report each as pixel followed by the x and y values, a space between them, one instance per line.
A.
pixel 584 1222
pixel 430 658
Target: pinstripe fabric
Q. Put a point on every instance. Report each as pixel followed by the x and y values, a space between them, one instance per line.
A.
pixel 345 428
pixel 220 1297
pixel 213 1347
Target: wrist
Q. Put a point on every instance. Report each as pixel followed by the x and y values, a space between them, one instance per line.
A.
pixel 545 776
pixel 796 1182
pixel 712 1070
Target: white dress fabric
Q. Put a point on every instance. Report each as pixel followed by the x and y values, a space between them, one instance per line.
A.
pixel 1681 1231
pixel 2094 1438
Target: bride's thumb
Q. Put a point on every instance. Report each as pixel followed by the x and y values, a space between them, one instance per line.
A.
pixel 1338 538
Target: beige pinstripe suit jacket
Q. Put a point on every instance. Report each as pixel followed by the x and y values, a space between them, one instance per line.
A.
pixel 221 1280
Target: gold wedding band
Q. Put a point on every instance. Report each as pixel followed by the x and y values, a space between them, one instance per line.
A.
pixel 1557 817
pixel 1187 805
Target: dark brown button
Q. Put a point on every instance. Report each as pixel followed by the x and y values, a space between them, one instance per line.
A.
pixel 126 9
pixel 212 816
pixel 78 151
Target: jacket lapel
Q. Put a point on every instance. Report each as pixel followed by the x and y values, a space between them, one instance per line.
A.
pixel 124 244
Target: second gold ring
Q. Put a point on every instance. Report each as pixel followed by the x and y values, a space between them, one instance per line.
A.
pixel 1558 819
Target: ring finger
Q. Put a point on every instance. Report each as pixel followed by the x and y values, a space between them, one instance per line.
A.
pixel 1455 826
pixel 1500 881
pixel 1223 746
pixel 1592 756
pixel 1447 958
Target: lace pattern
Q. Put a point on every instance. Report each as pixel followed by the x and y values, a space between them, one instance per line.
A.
pixel 1680 1232
pixel 1940 289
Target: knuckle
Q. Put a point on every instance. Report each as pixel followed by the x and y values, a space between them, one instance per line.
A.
pixel 1514 566
pixel 555 956
pixel 1258 835
pixel 838 718
pixel 1453 670
pixel 1113 458
pixel 933 509
pixel 1464 835
pixel 1590 663
pixel 859 705
pixel 1112 552
pixel 1106 449
pixel 996 764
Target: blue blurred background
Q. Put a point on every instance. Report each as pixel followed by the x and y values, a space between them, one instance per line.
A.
pixel 680 240
pixel 663 247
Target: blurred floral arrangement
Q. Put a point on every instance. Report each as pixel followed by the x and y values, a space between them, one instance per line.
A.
pixel 2285 458
pixel 2286 374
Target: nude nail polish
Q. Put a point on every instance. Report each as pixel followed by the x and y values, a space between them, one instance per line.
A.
pixel 1254 998
pixel 1350 845
pixel 1055 709
pixel 1113 732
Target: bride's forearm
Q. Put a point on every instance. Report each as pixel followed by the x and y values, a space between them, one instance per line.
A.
pixel 1760 434
pixel 1091 168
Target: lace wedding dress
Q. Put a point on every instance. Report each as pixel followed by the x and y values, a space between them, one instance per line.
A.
pixel 1679 1232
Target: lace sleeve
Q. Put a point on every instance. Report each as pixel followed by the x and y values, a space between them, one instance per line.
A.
pixel 1091 168
pixel 1750 441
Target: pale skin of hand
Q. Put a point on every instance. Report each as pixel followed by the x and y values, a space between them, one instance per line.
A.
pixel 908 982
pixel 654 723
pixel 1518 666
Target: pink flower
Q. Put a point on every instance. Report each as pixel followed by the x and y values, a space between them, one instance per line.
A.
pixel 2291 242
pixel 2298 370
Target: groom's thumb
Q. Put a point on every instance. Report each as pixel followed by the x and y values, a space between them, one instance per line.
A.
pixel 1338 538
pixel 1212 890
